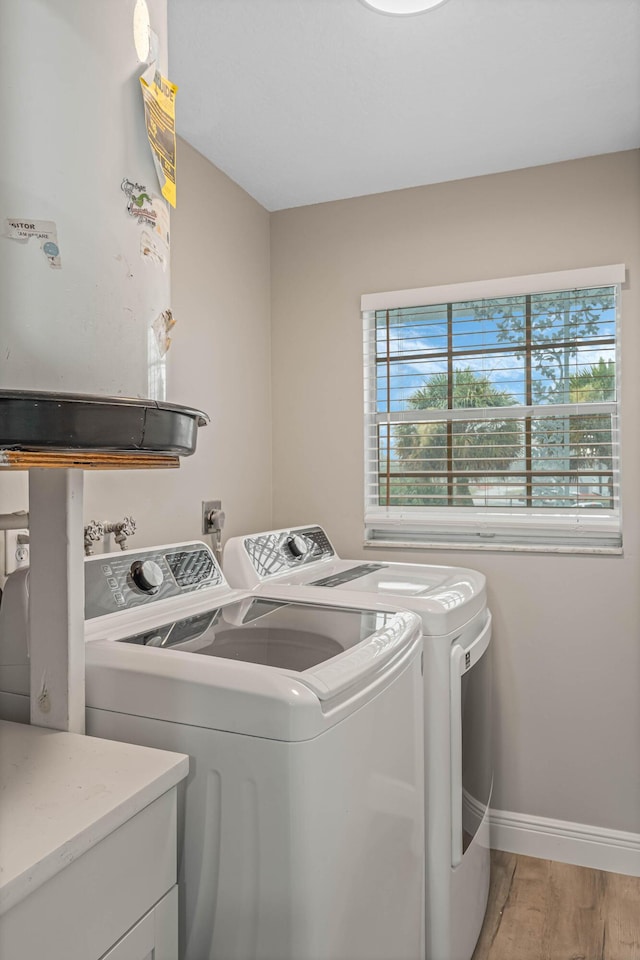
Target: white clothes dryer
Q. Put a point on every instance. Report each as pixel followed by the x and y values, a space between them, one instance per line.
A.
pixel 301 825
pixel 457 703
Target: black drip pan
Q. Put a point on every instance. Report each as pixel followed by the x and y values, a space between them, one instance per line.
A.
pixel 81 422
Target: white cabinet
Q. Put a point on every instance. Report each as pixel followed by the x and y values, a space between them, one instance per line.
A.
pixel 88 844
pixel 82 911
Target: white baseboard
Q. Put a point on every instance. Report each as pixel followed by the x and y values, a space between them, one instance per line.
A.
pixel 567 842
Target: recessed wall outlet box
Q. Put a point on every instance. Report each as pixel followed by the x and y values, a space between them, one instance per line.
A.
pixel 16 550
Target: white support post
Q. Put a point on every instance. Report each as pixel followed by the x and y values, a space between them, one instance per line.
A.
pixel 56 599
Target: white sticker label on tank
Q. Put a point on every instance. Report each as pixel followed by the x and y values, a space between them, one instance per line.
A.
pixel 154 240
pixel 43 230
pixel 161 327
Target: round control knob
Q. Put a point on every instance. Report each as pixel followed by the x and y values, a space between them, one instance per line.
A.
pixel 147 575
pixel 297 546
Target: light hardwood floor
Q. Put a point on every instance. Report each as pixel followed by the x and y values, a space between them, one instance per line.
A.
pixel 543 910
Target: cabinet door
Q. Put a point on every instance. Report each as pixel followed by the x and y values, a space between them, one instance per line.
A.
pixel 155 937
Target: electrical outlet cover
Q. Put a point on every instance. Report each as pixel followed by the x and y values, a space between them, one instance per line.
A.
pixel 16 554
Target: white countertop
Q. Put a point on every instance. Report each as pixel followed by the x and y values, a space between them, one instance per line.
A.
pixel 61 793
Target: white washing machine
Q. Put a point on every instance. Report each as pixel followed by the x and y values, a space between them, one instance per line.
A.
pixel 301 824
pixel 457 703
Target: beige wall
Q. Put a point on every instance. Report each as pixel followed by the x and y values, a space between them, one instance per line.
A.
pixel 219 362
pixel 567 628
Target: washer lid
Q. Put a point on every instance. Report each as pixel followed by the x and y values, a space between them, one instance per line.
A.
pixel 297 638
pixel 271 668
pixel 445 597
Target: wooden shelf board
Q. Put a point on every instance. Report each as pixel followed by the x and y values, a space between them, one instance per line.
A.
pixel 12 459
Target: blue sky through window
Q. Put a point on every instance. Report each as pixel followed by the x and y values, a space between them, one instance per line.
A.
pixel 489 337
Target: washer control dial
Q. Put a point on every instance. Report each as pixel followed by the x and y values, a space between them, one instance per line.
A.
pixel 147 575
pixel 297 546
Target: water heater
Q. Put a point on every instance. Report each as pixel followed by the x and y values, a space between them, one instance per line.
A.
pixel 84 225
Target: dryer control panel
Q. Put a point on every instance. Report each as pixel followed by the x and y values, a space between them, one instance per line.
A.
pixel 116 582
pixel 282 550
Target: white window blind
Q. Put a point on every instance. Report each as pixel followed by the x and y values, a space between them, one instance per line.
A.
pixel 491 413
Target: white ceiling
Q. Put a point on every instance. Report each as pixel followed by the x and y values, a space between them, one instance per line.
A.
pixel 304 101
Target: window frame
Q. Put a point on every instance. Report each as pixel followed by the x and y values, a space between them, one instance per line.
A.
pixel 489 528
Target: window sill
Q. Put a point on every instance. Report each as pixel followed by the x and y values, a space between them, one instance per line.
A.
pixel 573 549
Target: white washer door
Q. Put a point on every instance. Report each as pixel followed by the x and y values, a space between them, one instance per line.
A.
pixel 471 779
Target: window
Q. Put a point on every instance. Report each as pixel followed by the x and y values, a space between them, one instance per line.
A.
pixel 492 413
